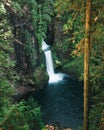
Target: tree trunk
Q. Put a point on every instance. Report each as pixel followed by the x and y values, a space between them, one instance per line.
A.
pixel 86 65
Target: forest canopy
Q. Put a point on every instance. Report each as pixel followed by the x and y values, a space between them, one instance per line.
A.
pixel 23 26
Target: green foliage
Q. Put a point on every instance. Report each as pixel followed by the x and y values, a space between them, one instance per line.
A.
pixel 97 66
pixel 17 8
pixel 32 19
pixel 75 67
pixel 41 14
pixel 2 9
pixel 24 115
pixel 72 13
pixel 97 81
pixel 29 50
pixel 36 15
pixel 7 75
pixel 19 116
pixel 72 18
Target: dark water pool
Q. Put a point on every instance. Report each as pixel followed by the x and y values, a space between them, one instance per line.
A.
pixel 62 103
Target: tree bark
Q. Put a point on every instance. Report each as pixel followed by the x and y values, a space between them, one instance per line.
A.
pixel 86 65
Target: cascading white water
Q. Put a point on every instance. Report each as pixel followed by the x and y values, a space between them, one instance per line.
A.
pixel 49 62
pixel 48 57
pixel 53 77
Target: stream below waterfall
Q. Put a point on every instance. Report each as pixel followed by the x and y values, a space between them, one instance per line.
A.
pixel 62 103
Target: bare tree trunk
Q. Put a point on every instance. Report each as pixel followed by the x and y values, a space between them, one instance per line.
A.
pixel 86 65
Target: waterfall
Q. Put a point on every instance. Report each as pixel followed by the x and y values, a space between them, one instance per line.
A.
pixel 53 77
pixel 49 63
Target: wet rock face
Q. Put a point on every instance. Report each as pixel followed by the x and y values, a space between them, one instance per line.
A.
pixel 30 83
pixel 22 92
pixel 62 103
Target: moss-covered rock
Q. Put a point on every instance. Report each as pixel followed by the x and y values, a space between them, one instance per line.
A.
pixel 40 77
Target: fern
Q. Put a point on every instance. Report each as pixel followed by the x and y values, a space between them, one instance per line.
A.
pixel 22 116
